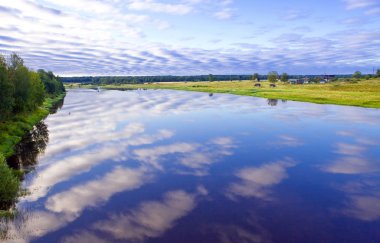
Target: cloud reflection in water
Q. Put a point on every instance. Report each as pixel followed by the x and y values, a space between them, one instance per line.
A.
pixel 123 143
pixel 99 190
pixel 257 181
pixel 150 218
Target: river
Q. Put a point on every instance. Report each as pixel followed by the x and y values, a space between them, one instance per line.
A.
pixel 175 166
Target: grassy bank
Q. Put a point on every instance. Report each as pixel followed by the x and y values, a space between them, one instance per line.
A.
pixel 363 93
pixel 12 131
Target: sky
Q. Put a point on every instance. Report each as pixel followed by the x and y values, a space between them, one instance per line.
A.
pixel 188 37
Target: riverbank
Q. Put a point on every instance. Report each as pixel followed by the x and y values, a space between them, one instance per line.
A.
pixel 362 93
pixel 12 131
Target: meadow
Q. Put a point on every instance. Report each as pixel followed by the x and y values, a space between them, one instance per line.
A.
pixel 362 93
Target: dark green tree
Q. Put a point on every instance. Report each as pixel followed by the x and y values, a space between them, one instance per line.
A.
pixel 357 75
pixel 6 91
pixel 272 76
pixel 378 73
pixel 52 83
pixel 15 62
pixel 210 77
pixel 255 77
pixel 9 185
pixel 21 80
pixel 37 90
pixel 284 77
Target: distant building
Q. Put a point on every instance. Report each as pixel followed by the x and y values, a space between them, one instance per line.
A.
pixel 328 77
pixel 299 81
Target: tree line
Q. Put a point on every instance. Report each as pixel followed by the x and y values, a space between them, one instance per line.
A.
pixel 22 89
pixel 97 80
pixel 273 77
pixel 151 79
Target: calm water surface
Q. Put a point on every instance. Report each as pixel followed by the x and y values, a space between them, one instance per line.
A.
pixel 173 166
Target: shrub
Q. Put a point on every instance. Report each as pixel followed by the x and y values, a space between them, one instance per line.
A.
pixel 9 185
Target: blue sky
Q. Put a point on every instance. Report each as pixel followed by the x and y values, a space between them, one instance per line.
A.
pixel 185 37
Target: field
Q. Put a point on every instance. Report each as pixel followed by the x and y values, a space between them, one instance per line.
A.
pixel 363 93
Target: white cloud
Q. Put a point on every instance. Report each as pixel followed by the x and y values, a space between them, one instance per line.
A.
pixel 373 11
pixel 354 4
pixel 91 6
pixel 226 13
pixel 295 14
pixel 139 38
pixel 153 6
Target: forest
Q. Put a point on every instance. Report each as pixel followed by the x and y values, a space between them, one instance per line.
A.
pixel 22 89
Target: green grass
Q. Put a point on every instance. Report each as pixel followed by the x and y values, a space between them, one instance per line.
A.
pixel 12 131
pixel 363 93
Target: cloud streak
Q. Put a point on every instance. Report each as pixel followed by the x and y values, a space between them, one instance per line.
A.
pixel 90 37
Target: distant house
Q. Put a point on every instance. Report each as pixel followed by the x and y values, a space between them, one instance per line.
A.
pixel 323 81
pixel 328 77
pixel 299 81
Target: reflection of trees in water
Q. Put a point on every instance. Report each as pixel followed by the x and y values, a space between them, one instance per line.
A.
pixel 272 102
pixel 28 149
pixel 25 158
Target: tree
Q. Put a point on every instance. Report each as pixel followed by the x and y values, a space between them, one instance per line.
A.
pixel 284 77
pixel 256 77
pixel 22 90
pixel 52 83
pixel 357 75
pixel 6 91
pixel 37 90
pixel 210 77
pixel 15 62
pixel 9 185
pixel 272 76
pixel 378 73
pixel 21 80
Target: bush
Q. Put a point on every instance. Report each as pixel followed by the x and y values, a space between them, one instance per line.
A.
pixel 9 185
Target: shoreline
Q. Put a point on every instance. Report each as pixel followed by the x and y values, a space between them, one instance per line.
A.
pixel 12 133
pixel 363 93
pixel 14 130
